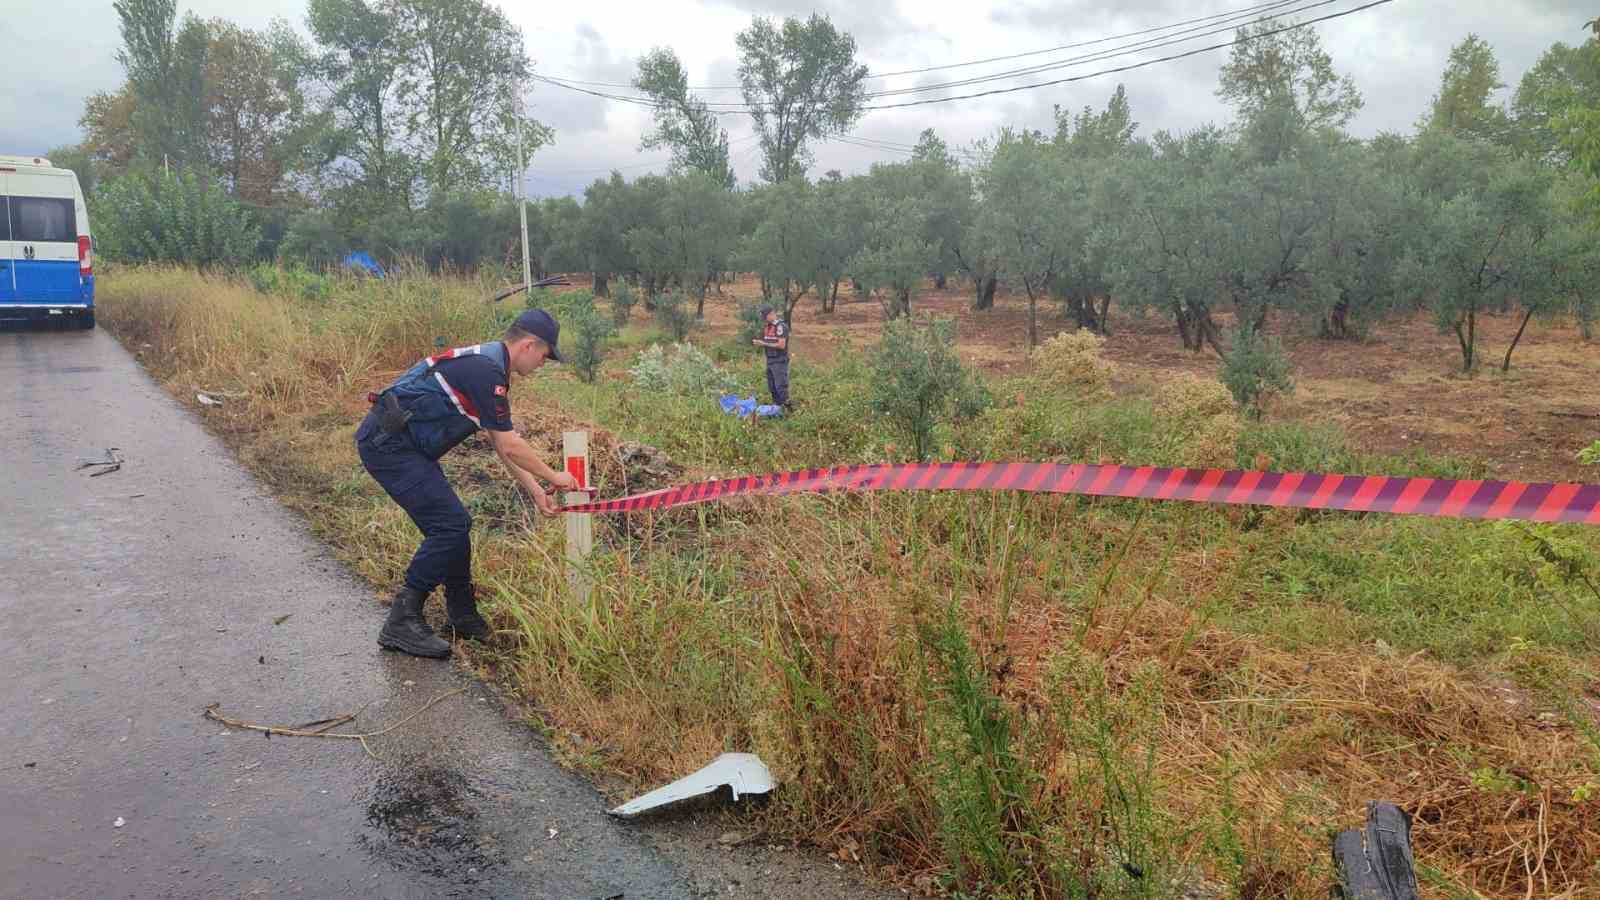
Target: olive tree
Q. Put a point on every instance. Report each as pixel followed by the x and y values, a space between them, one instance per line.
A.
pixel 692 235
pixel 1023 216
pixel 781 247
pixel 1483 249
pixel 896 256
pixel 1169 256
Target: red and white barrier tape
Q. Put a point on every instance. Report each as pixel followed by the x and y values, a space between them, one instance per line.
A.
pixel 1439 497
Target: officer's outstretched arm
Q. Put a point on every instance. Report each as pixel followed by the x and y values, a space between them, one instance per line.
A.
pixel 515 451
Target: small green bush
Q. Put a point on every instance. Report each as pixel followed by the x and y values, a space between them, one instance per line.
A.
pixel 918 381
pixel 296 281
pixel 623 300
pixel 682 370
pixel 674 315
pixel 589 332
pixel 1255 369
pixel 751 324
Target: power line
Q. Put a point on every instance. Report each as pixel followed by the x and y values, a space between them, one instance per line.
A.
pixel 1131 66
pixel 978 62
pixel 667 160
pixel 1168 40
pixel 1230 20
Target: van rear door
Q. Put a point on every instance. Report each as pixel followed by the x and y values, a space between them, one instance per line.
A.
pixel 44 238
pixel 8 284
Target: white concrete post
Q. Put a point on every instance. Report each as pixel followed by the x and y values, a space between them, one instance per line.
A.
pixel 580 526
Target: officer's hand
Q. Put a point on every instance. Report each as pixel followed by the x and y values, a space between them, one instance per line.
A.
pixel 565 481
pixel 545 503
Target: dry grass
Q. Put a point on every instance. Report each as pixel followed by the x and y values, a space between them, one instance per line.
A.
pixel 1014 696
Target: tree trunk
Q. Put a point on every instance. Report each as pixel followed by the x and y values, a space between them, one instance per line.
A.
pixel 1213 335
pixel 791 301
pixel 905 302
pixel 700 303
pixel 600 287
pixel 1083 311
pixel 1105 315
pixel 985 293
pixel 1506 366
pixel 1033 317
pixel 1467 337
pixel 939 281
pixel 1188 328
pixel 1337 326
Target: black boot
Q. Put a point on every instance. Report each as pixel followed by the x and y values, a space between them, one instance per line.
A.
pixel 406 630
pixel 462 606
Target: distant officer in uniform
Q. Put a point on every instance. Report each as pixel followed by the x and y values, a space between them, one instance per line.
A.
pixel 775 338
pixel 427 411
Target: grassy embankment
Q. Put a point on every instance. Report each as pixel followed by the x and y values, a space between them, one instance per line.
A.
pixel 1004 695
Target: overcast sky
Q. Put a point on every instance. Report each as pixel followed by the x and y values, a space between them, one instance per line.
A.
pixel 61 51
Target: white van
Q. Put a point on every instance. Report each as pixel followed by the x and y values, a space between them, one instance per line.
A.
pixel 46 261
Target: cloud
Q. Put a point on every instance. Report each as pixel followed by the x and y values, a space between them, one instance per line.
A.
pixel 875 24
pixel 1395 53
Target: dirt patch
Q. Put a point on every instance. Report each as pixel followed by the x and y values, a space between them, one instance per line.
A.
pixel 1398 392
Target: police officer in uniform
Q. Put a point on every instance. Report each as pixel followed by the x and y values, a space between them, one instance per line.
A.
pixel 427 411
pixel 775 338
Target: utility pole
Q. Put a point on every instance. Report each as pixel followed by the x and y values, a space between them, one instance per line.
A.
pixel 522 195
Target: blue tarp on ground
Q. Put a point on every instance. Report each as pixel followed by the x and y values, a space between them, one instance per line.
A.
pixel 361 260
pixel 733 406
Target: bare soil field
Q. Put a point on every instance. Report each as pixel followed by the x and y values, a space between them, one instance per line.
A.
pixel 1401 390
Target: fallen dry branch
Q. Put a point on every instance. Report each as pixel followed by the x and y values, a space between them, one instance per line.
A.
pixel 324 727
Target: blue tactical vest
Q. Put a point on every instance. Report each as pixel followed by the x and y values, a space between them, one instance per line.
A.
pixel 440 417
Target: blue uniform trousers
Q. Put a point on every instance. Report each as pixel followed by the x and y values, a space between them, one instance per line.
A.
pixel 418 485
pixel 778 380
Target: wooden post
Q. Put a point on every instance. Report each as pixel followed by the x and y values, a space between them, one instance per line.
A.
pixel 580 526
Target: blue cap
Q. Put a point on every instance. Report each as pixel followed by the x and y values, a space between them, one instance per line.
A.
pixel 543 326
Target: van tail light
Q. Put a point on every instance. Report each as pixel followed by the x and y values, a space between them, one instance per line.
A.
pixel 85 256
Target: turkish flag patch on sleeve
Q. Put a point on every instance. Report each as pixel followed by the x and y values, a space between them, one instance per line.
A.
pixel 499 390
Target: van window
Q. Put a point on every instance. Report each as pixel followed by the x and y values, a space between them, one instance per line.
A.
pixel 43 219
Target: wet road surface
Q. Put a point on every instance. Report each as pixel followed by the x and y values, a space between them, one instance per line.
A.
pixel 132 601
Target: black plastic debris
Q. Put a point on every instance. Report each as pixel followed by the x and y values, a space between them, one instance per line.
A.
pixel 1375 863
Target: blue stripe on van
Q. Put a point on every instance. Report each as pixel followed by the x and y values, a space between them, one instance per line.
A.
pixel 47 281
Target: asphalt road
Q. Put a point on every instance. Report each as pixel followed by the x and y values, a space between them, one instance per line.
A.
pixel 133 600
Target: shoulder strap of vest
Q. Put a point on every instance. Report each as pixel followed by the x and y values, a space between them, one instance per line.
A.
pixel 495 351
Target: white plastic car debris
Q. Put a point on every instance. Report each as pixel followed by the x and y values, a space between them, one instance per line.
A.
pixel 744 773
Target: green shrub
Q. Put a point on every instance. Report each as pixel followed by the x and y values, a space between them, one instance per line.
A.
pixel 296 282
pixel 623 300
pixel 263 278
pixel 682 370
pixel 313 238
pixel 172 218
pixel 751 323
pixel 589 332
pixel 1255 369
pixel 674 315
pixel 918 381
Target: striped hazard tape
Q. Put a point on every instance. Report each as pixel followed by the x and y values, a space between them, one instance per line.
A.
pixel 1440 497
